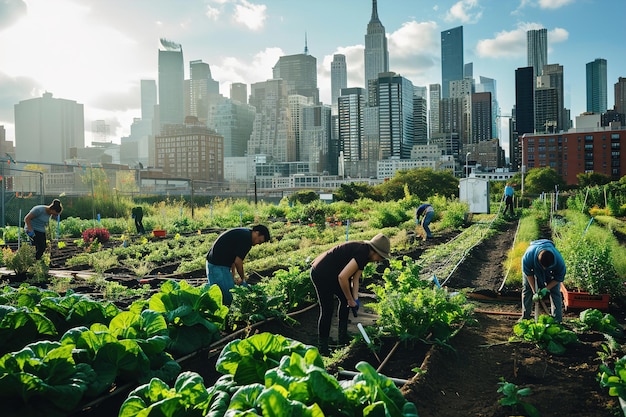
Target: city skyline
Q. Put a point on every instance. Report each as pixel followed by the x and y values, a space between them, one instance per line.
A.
pixel 97 53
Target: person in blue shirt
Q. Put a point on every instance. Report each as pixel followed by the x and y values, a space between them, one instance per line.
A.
pixel 425 212
pixel 35 224
pixel 224 261
pixel 542 267
pixel 508 198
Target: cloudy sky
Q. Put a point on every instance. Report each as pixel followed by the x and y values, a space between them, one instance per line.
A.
pixel 96 51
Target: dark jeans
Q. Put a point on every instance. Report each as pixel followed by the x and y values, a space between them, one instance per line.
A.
pixel 39 241
pixel 509 204
pixel 326 300
pixel 139 225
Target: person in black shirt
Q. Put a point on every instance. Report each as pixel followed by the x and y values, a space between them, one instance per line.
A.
pixel 137 214
pixel 336 273
pixel 224 262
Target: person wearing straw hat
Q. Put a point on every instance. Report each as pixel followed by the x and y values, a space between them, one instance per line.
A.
pixel 336 273
pixel 35 224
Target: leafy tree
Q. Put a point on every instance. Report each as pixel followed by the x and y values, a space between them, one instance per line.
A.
pixel 589 179
pixel 542 180
pixel 421 182
pixel 356 190
pixel 305 196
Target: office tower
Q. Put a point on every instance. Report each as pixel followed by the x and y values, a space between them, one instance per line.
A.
pixel 434 96
pixel 525 100
pixel 338 79
pixel 537 49
pixel 46 128
pixel 271 132
pixel 395 111
pixel 451 58
pixel 596 86
pixel 148 98
pixel 488 85
pixel 299 73
pixel 202 90
pixel 620 95
pixel 552 77
pixel 546 109
pixel 420 91
pixel 171 83
pixel 239 92
pixel 315 137
pixel 468 70
pixel 420 111
pixel 233 120
pixel 481 117
pixel 376 54
pixel 351 104
pixel 296 104
pixel 459 109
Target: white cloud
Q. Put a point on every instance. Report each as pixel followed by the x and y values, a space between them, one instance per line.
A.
pixel 513 43
pixel 466 11
pixel 554 4
pixel 232 69
pixel 212 13
pixel 250 15
pixel 414 38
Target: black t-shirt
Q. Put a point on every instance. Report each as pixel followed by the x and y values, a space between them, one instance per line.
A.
pixel 327 266
pixel 229 245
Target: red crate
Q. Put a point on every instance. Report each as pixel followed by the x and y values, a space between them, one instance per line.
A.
pixel 584 300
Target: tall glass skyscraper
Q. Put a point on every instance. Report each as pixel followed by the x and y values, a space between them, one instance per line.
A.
pixel 596 86
pixel 171 83
pixel 202 90
pixel 376 58
pixel 537 49
pixel 395 112
pixel 452 65
pixel 338 78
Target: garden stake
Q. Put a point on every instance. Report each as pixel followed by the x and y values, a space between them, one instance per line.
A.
pixel 367 340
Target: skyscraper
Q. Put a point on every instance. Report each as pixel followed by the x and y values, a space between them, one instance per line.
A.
pixel 481 117
pixel 46 128
pixel 395 112
pixel 434 96
pixel 351 104
pixel 552 77
pixel 315 137
pixel 201 89
pixel 171 83
pixel 452 66
pixel 596 86
pixel 148 99
pixel 537 49
pixel 239 92
pixel 338 79
pixel 376 54
pixel 299 73
pixel 620 95
pixel 524 100
pixel 233 120
pixel 272 133
pixel 488 85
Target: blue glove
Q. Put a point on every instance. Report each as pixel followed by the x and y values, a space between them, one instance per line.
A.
pixel 355 309
pixel 30 233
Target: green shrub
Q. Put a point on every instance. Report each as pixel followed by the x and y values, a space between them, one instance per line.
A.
pixel 21 260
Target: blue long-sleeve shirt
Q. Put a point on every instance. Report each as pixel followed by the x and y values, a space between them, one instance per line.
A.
pixel 531 265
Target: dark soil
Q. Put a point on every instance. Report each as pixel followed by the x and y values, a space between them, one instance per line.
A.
pixel 458 381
